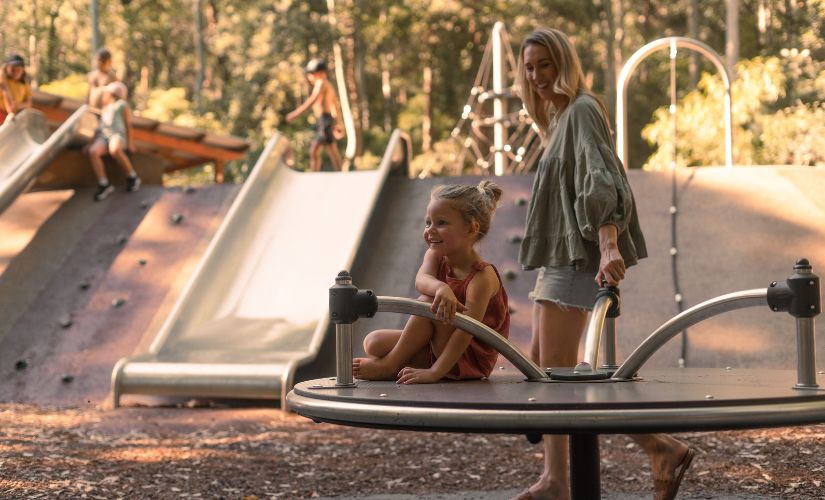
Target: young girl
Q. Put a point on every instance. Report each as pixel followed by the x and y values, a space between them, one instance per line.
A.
pixel 15 91
pixel 113 135
pixel 455 279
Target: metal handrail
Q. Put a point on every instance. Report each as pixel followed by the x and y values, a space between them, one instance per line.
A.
pixel 470 325
pixel 595 327
pixel 697 313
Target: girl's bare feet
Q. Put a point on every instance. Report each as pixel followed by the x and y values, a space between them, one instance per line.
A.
pixel 373 369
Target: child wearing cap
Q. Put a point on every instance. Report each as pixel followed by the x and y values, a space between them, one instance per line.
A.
pixel 324 104
pixel 15 91
pixel 114 132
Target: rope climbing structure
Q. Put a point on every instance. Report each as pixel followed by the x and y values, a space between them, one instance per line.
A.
pixel 494 134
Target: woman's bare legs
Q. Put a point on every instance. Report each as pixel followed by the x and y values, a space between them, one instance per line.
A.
pixel 556 334
pixel 96 152
pixel 116 150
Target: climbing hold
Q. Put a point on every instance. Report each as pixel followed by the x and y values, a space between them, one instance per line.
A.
pixel 176 218
pixel 122 239
pixel 142 262
pixel 66 378
pixel 21 364
pixel 516 238
pixel 118 302
pixel 144 204
pixel 188 190
pixel 65 321
pixel 84 285
pixel 509 274
pixel 521 201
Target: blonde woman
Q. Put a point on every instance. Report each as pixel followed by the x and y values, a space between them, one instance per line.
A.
pixel 581 230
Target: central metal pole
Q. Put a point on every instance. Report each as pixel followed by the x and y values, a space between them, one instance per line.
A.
pixel 609 344
pixel 343 355
pixel 584 467
pixel 805 354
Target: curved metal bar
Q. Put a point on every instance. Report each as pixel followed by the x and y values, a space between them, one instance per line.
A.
pixel 697 313
pixel 638 57
pixel 474 327
pixel 595 327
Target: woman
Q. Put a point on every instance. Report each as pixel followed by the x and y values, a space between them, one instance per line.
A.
pixel 15 92
pixel 582 230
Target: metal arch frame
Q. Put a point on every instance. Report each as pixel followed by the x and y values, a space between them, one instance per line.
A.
pixel 634 61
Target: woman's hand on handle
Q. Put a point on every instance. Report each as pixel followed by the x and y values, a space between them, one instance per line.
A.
pixel 611 263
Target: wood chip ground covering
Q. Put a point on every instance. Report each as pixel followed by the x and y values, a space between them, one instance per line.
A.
pixel 262 453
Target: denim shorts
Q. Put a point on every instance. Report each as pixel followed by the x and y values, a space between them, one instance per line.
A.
pixel 566 287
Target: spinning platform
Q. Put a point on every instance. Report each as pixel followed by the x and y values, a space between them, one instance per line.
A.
pixel 678 400
pixel 589 399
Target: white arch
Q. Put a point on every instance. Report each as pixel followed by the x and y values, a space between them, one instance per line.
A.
pixel 638 57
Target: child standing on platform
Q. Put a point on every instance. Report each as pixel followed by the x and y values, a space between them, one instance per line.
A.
pixel 103 74
pixel 454 278
pixel 114 136
pixel 324 104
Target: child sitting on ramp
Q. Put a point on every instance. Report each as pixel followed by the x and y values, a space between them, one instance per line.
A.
pixel 454 278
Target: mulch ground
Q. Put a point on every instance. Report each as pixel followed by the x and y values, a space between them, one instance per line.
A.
pixel 263 453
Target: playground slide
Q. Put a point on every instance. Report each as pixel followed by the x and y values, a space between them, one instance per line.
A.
pixel 255 308
pixel 25 150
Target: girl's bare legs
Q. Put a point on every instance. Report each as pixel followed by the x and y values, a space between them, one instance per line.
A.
pixel 116 147
pixel 666 455
pixel 96 152
pixel 411 349
pixel 556 334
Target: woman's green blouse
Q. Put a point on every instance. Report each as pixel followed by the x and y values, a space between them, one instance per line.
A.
pixel 580 185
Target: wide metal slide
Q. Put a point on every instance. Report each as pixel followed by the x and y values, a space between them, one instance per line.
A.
pixel 251 315
pixel 26 149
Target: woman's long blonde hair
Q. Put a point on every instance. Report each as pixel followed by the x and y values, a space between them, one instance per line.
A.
pixel 569 77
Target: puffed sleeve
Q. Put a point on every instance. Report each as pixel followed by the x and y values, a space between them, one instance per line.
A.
pixel 602 192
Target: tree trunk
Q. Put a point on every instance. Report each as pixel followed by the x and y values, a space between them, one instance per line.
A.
pixel 609 33
pixel 199 51
pixel 52 45
pixel 693 32
pixel 427 119
pixel 386 90
pixel 351 78
pixel 732 36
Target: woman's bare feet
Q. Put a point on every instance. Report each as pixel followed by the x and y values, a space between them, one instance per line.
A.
pixel 545 489
pixel 669 459
pixel 373 369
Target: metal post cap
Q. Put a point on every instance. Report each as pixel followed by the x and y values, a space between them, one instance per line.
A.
pixel 343 278
pixel 802 264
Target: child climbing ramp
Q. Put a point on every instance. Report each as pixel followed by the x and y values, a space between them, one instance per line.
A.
pixel 453 278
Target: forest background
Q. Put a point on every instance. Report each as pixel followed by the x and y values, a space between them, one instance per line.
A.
pixel 234 67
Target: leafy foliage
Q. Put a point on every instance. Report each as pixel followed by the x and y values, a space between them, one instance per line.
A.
pixel 254 51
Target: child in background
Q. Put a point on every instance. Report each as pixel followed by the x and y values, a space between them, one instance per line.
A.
pixel 113 134
pixel 324 104
pixel 15 91
pixel 99 77
pixel 454 278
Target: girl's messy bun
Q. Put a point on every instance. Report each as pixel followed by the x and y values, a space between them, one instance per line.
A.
pixel 475 203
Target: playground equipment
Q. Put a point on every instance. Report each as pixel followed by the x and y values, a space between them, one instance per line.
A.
pixel 672 43
pixel 27 149
pixel 236 331
pixel 585 401
pixel 513 144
